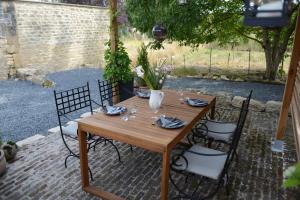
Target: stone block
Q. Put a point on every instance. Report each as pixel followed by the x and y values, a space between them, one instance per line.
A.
pixel 224 77
pixel 237 101
pixel 54 130
pixel 273 106
pixel 10 49
pixel 256 105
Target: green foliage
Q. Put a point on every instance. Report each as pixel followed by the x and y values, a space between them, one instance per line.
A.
pixel 185 71
pixel 142 60
pixel 293 177
pixel 117 65
pixel 11 143
pixel 154 77
pixel 201 22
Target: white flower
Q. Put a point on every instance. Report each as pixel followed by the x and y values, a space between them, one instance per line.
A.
pixel 139 71
pixel 156 73
pixel 160 81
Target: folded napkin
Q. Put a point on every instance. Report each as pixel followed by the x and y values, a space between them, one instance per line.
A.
pixel 168 122
pixel 197 102
pixel 114 109
pixel 143 93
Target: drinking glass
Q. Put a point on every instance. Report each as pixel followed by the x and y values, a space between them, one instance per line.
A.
pixel 180 92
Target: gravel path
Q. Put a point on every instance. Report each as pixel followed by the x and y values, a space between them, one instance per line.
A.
pixel 261 92
pixel 27 109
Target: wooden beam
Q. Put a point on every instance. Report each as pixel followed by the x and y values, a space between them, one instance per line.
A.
pixel 290 83
pixel 113 25
pixel 114 34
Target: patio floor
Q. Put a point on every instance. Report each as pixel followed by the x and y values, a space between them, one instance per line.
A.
pixel 39 173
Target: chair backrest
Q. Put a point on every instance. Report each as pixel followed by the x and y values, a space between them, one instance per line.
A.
pixel 108 90
pixel 72 100
pixel 237 134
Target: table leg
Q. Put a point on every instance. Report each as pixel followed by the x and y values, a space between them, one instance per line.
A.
pixel 165 176
pixel 213 110
pixel 83 158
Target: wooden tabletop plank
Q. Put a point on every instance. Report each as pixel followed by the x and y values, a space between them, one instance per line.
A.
pixel 139 131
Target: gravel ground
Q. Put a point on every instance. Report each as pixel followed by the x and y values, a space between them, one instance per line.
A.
pixel 27 109
pixel 261 92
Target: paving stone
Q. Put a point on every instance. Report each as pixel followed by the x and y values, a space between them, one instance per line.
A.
pixel 40 172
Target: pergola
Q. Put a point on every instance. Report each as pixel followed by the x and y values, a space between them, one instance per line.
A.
pixel 291 96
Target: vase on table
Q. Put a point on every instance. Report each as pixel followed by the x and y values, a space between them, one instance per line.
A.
pixel 156 98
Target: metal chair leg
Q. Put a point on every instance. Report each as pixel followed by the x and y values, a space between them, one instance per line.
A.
pixel 116 148
pixel 131 149
pixel 91 174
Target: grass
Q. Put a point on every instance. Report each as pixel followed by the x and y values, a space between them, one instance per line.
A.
pixel 189 62
pixel 184 71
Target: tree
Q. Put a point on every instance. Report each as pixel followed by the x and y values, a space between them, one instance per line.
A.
pixel 200 22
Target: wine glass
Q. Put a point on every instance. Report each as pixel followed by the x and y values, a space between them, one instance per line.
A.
pixel 132 110
pixel 155 108
pixel 180 92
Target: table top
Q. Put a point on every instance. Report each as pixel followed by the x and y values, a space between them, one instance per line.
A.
pixel 139 131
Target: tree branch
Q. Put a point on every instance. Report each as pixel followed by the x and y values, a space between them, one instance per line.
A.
pixel 249 37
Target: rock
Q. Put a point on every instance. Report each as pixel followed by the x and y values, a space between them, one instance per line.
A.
pixel 237 101
pixel 223 98
pixel 273 106
pixel 24 73
pixel 39 80
pixel 33 75
pixel 223 77
pixel 256 105
pixel 215 77
pixel 239 80
pixel 10 49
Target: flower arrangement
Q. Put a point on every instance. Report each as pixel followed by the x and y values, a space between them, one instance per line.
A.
pixel 154 77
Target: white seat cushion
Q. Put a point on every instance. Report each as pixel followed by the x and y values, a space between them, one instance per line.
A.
pixel 70 129
pixel 224 130
pixel 208 166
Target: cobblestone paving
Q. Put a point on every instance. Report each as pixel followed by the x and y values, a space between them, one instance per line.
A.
pixel 40 171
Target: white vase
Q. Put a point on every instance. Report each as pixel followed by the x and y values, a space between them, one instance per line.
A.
pixel 156 98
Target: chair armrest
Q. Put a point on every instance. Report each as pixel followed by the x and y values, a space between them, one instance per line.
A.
pixel 206 129
pixel 173 163
pixel 207 154
pixel 220 110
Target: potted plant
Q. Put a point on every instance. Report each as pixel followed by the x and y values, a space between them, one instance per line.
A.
pixel 154 77
pixel 2 160
pixel 117 67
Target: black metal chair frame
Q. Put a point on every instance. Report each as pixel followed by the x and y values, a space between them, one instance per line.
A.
pixel 108 89
pixel 69 101
pixel 223 178
pixel 200 131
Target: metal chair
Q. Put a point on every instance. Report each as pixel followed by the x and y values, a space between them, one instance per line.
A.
pixel 108 90
pixel 216 130
pixel 205 163
pixel 68 103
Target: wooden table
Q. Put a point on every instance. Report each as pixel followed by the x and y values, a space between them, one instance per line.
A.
pixel 141 133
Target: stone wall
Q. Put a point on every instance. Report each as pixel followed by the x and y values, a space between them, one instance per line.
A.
pixel 51 37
